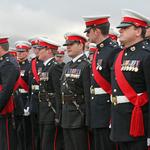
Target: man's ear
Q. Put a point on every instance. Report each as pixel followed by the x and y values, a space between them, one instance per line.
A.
pixel 138 32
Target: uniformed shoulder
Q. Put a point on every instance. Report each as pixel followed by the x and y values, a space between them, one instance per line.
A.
pixel 84 63
pixel 113 45
pixel 86 60
pixel 68 63
pixel 11 60
pixel 55 64
pixel 145 49
pixel 52 64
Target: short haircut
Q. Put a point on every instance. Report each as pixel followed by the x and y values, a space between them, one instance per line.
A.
pixel 143 31
pixel 104 28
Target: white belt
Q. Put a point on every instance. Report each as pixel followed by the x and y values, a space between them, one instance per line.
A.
pixel 97 91
pixel 120 99
pixel 23 91
pixel 35 87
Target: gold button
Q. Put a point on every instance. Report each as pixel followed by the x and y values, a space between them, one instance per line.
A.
pixel 114 100
pixel 132 48
pixel 101 45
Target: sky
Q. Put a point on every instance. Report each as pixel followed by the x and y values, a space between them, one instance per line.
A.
pixel 22 19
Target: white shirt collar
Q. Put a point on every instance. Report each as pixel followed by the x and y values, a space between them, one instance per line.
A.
pixel 77 57
pixel 46 62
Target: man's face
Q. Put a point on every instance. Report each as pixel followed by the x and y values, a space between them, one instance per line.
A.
pixel 148 32
pixel 91 57
pixel 22 55
pixel 127 35
pixel 91 34
pixel 36 51
pixel 42 54
pixel 59 59
pixel 74 49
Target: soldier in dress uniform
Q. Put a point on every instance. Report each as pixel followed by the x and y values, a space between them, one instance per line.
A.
pixel 59 56
pixel 130 78
pixel 22 118
pixel 36 68
pixel 92 50
pixel 113 34
pixel 9 74
pixel 97 30
pixel 13 52
pixel 49 95
pixel 75 87
pixel 148 35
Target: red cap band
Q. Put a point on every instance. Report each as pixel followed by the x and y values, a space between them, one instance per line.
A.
pixel 5 40
pixel 136 22
pixel 93 49
pixel 97 22
pixel 60 52
pixel 113 37
pixel 34 42
pixel 76 38
pixel 22 47
pixel 42 43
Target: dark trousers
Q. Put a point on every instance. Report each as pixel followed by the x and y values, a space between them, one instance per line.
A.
pixel 102 140
pixel 23 131
pixel 47 136
pixel 7 134
pixel 59 138
pixel 35 132
pixel 91 139
pixel 136 145
pixel 76 139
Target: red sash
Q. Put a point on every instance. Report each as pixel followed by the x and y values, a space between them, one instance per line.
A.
pixel 137 123
pixel 9 106
pixel 21 83
pixel 100 80
pixel 34 70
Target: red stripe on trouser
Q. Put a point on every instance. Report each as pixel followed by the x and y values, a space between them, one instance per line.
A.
pixel 148 147
pixel 55 138
pixel 7 134
pixel 117 147
pixel 89 142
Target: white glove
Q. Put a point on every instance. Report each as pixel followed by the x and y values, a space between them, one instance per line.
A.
pixel 26 112
pixel 110 125
pixel 148 141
